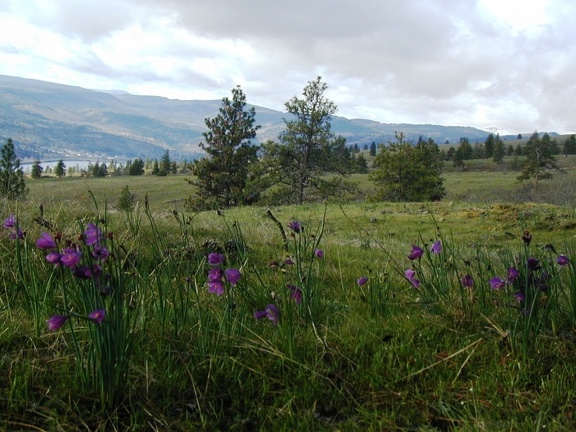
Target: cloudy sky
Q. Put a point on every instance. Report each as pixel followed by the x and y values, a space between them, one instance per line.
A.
pixel 502 64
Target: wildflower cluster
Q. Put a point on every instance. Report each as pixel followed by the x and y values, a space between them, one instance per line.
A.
pixel 15 232
pixel 70 256
pixel 217 276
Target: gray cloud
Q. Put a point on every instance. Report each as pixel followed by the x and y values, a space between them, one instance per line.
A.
pixel 440 61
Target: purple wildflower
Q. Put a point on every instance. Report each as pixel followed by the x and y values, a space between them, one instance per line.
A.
pixel 415 253
pixel 436 247
pixel 533 263
pixel 233 276
pixel 70 258
pixel 319 253
pixel 92 235
pixel 411 276
pixel 467 281
pixel 215 259
pixel 100 252
pixel 295 293
pixel 562 260
pixel 295 226
pixel 10 221
pixel 215 274
pixel 55 322
pixel 362 281
pixel 289 261
pixel 519 296
pixel 17 233
pixel 271 312
pixel 216 287
pixel 496 283
pixel 46 241
pixel 97 316
pixel 513 274
pixel 53 258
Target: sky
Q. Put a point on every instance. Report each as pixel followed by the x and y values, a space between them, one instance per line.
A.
pixel 505 66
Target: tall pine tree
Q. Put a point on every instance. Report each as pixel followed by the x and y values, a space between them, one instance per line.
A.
pixel 223 176
pixel 12 185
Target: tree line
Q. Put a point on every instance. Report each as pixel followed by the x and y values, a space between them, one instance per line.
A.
pixel 307 162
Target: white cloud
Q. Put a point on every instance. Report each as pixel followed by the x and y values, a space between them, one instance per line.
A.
pixel 485 63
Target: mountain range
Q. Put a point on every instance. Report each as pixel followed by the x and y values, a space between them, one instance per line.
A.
pixel 47 120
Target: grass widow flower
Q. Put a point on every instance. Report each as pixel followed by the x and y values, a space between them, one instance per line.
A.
pixel 97 316
pixel 467 281
pixel 362 281
pixel 295 226
pixel 436 247
pixel 70 258
pixel 10 222
pixel 513 274
pixel 232 276
pixel 295 293
pixel 496 283
pixel 215 259
pixel 562 260
pixel 271 312
pixel 92 235
pixel 53 258
pixel 216 287
pixel 55 322
pixel 415 253
pixel 319 253
pixel 411 276
pixel 46 241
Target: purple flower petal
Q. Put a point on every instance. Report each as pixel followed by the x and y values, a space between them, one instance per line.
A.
pixel 232 276
pixel 46 241
pixel 362 281
pixel 56 322
pixel 436 247
pixel 215 259
pixel 10 221
pixel 563 260
pixel 319 253
pixel 97 316
pixel 415 253
pixel 216 287
pixel 496 283
pixel 295 226
pixel 467 281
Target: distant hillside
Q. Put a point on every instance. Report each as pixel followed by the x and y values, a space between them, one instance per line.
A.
pixel 48 120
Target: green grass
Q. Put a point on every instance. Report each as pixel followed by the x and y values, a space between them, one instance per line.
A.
pixel 383 356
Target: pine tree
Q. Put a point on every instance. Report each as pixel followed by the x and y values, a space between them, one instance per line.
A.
pixel 37 169
pixel 310 162
pixel 60 169
pixel 539 158
pixel 224 176
pixel 12 185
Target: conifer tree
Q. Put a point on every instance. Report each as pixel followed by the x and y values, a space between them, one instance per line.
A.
pixel 12 185
pixel 223 176
pixel 36 172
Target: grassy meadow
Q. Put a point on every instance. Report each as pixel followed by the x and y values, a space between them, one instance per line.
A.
pixel 159 319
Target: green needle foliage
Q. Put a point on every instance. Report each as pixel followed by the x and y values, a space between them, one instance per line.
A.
pixel 310 162
pixel 12 185
pixel 223 176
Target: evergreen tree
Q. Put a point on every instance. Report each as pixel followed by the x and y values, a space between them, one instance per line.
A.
pixel 489 146
pixel 464 150
pixel 155 167
pixel 224 176
pixel 569 146
pixel 37 169
pixel 310 162
pixel 60 169
pixel 12 185
pixel 407 172
pixel 136 167
pixel 539 158
pixel 499 150
pixel 510 150
pixel 373 149
pixel 360 164
pixel 165 165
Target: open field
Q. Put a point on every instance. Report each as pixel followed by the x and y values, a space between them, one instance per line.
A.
pixel 422 351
